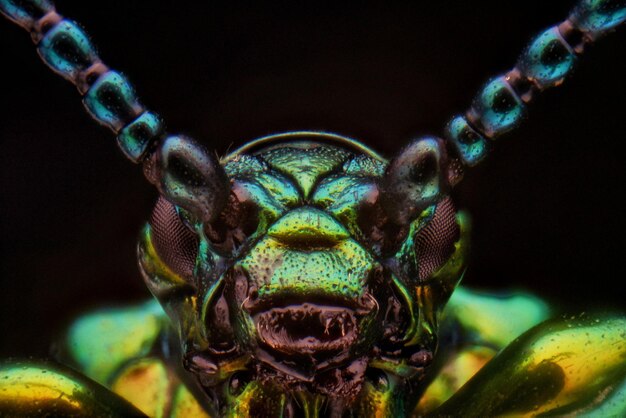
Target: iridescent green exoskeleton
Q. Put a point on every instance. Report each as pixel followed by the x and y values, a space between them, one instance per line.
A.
pixel 305 275
pixel 302 291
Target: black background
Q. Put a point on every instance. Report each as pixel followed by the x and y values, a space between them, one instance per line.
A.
pixel 544 205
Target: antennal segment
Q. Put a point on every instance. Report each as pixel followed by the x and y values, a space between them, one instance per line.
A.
pixel 110 99
pixel 501 103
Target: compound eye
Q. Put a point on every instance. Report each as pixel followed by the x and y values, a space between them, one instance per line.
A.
pixel 174 241
pixel 434 244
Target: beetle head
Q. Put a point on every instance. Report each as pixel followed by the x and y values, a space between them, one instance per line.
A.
pixel 316 282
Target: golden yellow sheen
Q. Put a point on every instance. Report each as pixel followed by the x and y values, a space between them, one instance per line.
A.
pixel 145 384
pixel 563 366
pixel 185 405
pixel 156 390
pixel 30 389
pixel 454 374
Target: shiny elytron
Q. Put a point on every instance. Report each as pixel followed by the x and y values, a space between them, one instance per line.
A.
pixel 305 275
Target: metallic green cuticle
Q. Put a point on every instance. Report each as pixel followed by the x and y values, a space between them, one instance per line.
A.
pixel 598 16
pixel 548 59
pixel 112 101
pixel 471 145
pixel 497 107
pixel 25 12
pixel 327 264
pixel 67 49
pixel 138 135
pixel 305 275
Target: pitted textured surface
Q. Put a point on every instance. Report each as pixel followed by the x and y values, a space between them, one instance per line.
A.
pixel 364 165
pixel 306 165
pixel 308 250
pixel 285 177
pixel 294 275
pixel 243 165
pixel 343 195
pixel 308 228
pixel 340 270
